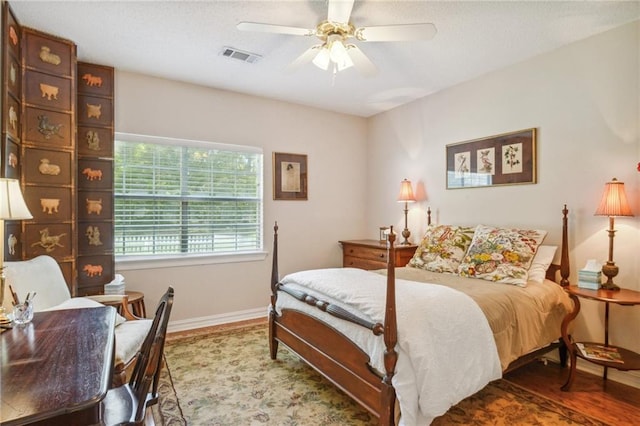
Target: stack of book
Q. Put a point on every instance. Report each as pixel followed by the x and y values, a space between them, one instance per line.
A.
pixel 600 352
pixel 589 279
pixel 117 286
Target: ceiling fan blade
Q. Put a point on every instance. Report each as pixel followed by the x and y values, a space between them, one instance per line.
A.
pixel 406 32
pixel 306 57
pixel 361 62
pixel 276 29
pixel 340 11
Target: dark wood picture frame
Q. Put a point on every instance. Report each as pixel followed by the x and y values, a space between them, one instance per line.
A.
pixel 289 176
pixel 505 159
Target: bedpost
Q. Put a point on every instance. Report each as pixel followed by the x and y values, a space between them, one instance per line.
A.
pixel 273 343
pixel 564 259
pixel 388 395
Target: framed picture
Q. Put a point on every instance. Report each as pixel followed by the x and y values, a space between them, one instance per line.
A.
pixel 384 231
pixel 289 176
pixel 505 159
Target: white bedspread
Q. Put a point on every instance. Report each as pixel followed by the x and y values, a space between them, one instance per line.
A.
pixel 446 349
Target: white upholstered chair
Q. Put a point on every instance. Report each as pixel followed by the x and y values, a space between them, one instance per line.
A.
pixel 42 274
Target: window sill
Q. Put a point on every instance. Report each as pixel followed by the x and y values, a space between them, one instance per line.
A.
pixel 157 262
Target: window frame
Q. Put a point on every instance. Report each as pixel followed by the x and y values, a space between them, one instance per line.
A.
pixel 131 262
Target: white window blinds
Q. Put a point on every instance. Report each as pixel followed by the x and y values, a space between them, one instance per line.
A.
pixel 186 197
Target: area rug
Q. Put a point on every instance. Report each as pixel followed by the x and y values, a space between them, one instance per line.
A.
pixel 227 378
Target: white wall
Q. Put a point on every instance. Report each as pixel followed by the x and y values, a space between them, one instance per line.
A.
pixel 584 101
pixel 309 230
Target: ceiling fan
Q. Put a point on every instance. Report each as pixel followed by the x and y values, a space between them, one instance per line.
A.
pixel 335 52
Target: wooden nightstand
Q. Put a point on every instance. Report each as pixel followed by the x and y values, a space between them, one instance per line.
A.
pixel 630 359
pixel 372 254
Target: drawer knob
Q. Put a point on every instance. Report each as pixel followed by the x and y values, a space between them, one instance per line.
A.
pixel 381 255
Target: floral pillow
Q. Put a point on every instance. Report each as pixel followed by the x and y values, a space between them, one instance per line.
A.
pixel 501 255
pixel 442 248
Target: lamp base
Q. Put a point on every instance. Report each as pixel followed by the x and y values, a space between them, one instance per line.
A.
pixel 610 270
pixel 406 234
pixel 609 286
pixel 4 319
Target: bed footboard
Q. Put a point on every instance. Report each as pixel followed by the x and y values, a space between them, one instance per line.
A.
pixel 331 353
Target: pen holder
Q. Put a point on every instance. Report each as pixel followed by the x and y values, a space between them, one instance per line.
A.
pixel 23 313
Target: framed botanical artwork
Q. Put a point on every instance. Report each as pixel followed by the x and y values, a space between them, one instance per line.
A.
pixel 505 159
pixel 289 176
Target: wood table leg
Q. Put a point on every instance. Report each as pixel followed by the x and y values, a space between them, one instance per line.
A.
pixel 568 343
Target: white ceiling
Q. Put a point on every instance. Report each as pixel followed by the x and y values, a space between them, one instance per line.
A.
pixel 182 40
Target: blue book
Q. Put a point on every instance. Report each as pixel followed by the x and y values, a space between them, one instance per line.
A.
pixel 588 285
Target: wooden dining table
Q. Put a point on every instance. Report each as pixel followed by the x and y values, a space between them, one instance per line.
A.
pixel 57 369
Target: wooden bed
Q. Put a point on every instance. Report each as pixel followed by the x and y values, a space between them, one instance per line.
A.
pixel 342 362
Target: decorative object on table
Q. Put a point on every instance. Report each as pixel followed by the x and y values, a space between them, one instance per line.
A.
pixel 289 176
pixel 116 286
pixel 590 276
pixel 506 159
pixel 384 231
pixel 23 313
pixel 613 203
pixel 12 207
pixel 406 196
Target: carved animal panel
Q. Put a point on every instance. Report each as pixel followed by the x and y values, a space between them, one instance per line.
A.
pixel 48 57
pixel 50 205
pixel 48 91
pixel 92 80
pixel 93 235
pixel 49 242
pixel 92 174
pixel 12 75
pixel 13 118
pixel 12 241
pixel 94 206
pixel 47 129
pixel 92 270
pixel 13 35
pixel 94 111
pixel 13 160
pixel 93 140
pixel 46 168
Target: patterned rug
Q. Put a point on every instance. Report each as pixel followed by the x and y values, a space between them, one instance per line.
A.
pixel 227 378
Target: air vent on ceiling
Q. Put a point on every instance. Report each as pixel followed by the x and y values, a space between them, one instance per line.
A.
pixel 240 55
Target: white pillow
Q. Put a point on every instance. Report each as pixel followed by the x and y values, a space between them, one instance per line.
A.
pixel 541 262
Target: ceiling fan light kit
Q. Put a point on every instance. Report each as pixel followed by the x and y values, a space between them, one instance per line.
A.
pixel 334 33
pixel 333 51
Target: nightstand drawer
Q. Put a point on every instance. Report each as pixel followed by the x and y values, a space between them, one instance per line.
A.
pixel 357 262
pixel 371 253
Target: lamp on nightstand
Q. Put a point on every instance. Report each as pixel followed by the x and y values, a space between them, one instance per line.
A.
pixel 406 196
pixel 12 207
pixel 613 203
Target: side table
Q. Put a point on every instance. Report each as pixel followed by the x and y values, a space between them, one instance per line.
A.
pixel 372 254
pixel 630 360
pixel 134 298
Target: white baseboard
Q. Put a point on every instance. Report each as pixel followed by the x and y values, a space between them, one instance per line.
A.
pixel 200 322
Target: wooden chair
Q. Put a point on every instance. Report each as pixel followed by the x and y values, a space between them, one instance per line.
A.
pixel 127 404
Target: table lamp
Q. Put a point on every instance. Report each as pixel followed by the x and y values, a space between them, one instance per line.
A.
pixel 12 207
pixel 613 203
pixel 406 196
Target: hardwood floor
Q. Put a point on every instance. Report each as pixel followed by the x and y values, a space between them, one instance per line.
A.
pixel 610 402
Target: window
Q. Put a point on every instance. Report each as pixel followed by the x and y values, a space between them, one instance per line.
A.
pixel 177 197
